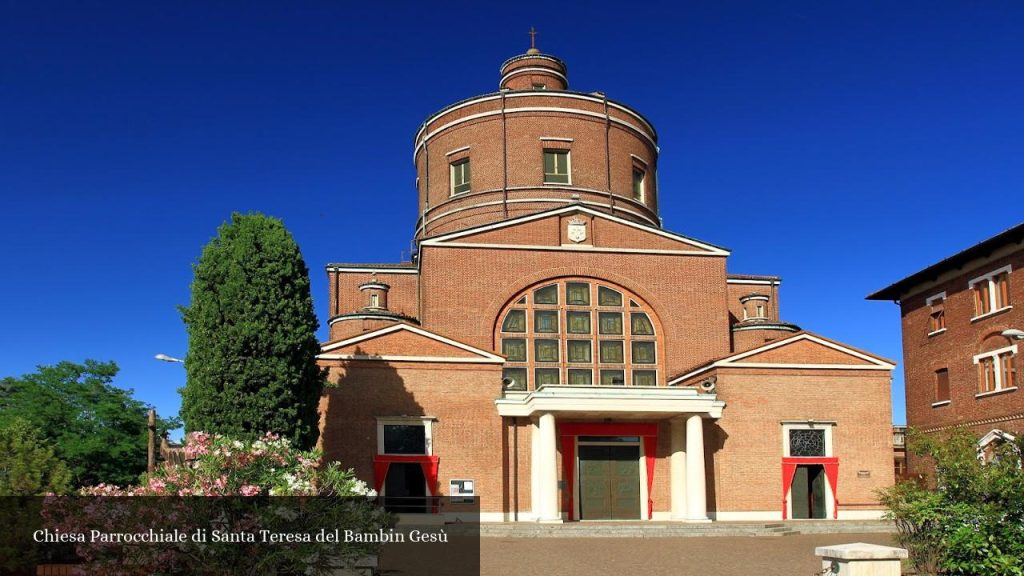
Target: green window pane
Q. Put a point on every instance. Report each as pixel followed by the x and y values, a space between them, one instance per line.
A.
pixel 545 321
pixel 579 322
pixel 515 321
pixel 610 322
pixel 549 162
pixel 643 352
pixel 546 376
pixel 640 324
pixel 638 184
pixel 608 297
pixel 613 378
pixel 517 376
pixel 577 294
pixel 556 166
pixel 581 377
pixel 579 351
pixel 514 349
pixel 460 177
pixel 611 352
pixel 547 350
pixel 522 301
pixel 546 295
pixel 645 378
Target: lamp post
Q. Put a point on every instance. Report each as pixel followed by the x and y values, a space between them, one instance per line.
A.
pixel 151 421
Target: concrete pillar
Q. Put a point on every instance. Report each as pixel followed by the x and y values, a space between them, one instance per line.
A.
pixel 547 477
pixel 677 476
pixel 861 560
pixel 696 498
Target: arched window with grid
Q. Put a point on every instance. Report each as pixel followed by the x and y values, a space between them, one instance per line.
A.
pixel 579 332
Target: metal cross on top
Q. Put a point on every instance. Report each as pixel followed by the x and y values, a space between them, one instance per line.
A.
pixel 533 38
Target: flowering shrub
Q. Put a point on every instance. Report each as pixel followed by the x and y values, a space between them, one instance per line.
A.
pixel 227 500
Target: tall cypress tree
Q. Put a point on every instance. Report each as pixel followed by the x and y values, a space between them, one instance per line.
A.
pixel 252 347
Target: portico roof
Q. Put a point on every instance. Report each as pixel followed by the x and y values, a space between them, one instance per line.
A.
pixel 601 401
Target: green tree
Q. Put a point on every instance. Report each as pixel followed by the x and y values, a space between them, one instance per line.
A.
pixel 969 518
pixel 252 348
pixel 28 466
pixel 96 428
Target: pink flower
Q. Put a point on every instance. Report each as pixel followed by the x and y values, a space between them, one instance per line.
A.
pixel 249 490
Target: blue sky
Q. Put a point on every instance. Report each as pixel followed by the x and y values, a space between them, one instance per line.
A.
pixel 841 145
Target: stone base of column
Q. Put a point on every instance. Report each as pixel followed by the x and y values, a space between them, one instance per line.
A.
pixel 703 520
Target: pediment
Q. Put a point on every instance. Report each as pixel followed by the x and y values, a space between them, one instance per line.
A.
pixel 801 351
pixel 406 343
pixel 807 349
pixel 576 228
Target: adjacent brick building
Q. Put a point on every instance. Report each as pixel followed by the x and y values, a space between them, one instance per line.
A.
pixel 556 352
pixel 962 321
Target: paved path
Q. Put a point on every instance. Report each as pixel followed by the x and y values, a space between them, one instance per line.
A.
pixel 719 556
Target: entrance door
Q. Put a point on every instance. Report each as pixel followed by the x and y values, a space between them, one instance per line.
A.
pixel 609 482
pixel 808 492
pixel 405 488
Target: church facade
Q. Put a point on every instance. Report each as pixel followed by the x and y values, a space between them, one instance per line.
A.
pixel 554 351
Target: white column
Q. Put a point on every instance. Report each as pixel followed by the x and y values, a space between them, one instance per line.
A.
pixel 547 477
pixel 696 499
pixel 678 468
pixel 535 469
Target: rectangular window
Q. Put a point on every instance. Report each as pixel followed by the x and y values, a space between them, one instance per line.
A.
pixel 581 377
pixel 610 322
pixel 638 184
pixel 997 370
pixel 579 322
pixel 645 378
pixel 516 378
pixel 991 292
pixel 547 350
pixel 405 438
pixel 579 351
pixel 556 166
pixel 514 349
pixel 460 176
pixel 806 443
pixel 611 352
pixel 942 385
pixel 547 377
pixel 643 352
pixel 936 313
pixel 545 321
pixel 613 378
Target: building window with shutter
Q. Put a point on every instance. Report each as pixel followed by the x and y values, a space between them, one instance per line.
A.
pixel 556 167
pixel 936 314
pixel 941 387
pixel 991 292
pixel 997 371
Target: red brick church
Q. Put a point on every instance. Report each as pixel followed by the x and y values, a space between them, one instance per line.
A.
pixel 556 352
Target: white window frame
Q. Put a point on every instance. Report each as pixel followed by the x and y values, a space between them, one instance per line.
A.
pixel 643 184
pixel 568 167
pixel 998 369
pixel 941 296
pixel 425 421
pixel 990 278
pixel 451 176
pixel 808 425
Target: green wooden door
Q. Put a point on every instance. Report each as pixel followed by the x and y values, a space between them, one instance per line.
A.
pixel 609 482
pixel 808 492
